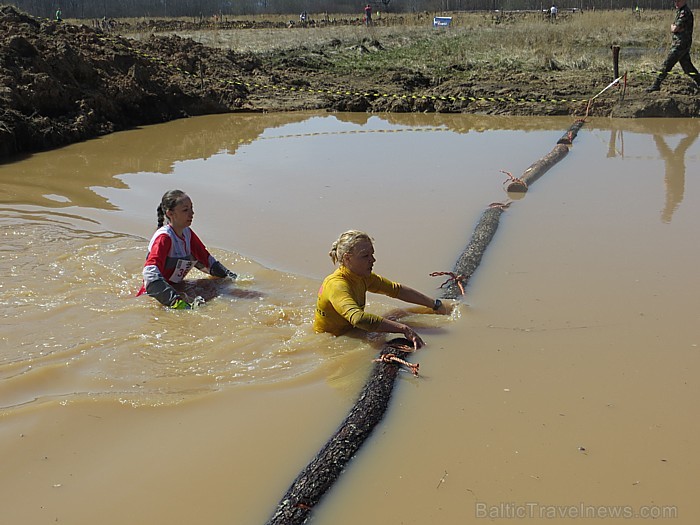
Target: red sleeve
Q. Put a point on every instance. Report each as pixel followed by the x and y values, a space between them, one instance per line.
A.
pixel 159 252
pixel 199 251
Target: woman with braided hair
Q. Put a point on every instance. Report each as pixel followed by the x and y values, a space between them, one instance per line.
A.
pixel 341 299
pixel 173 251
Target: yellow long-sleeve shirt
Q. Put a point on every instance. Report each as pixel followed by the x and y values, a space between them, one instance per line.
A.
pixel 341 301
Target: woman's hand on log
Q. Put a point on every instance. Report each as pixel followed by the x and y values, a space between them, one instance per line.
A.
pixel 410 334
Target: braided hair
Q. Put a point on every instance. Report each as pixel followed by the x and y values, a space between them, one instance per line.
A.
pixel 168 202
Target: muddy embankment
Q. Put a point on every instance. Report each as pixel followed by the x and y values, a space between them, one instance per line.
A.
pixel 62 83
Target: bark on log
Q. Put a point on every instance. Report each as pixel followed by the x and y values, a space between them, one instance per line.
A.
pixel 324 469
pixel 320 474
pixel 470 258
pixel 536 170
pixel 570 135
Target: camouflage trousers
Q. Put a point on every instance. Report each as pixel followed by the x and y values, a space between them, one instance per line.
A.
pixel 678 55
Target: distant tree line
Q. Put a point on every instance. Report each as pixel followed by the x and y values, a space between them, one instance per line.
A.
pixel 207 8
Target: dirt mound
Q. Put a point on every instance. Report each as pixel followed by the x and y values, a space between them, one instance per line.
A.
pixel 62 83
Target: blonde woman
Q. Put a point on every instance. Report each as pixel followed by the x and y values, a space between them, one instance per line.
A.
pixel 341 299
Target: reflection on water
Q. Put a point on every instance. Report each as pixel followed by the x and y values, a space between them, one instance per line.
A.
pixel 574 331
pixel 277 188
pixel 675 172
pixel 674 159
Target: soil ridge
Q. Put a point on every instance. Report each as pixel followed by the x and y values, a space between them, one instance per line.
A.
pixel 62 83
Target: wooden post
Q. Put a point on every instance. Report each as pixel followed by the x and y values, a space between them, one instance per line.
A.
pixel 616 61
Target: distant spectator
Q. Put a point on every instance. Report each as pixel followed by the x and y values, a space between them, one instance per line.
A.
pixel 59 15
pixel 553 12
pixel 368 15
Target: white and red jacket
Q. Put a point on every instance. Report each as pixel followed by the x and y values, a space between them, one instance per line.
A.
pixel 169 260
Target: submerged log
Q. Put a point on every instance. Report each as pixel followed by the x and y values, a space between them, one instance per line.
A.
pixel 320 474
pixel 536 170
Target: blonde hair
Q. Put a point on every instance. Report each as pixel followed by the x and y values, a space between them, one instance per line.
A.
pixel 345 244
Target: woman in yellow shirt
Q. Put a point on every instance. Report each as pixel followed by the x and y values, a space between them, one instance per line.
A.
pixel 341 299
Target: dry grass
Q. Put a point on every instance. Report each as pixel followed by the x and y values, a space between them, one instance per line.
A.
pixel 509 42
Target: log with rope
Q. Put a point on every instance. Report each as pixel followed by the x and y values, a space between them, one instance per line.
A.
pixel 320 474
pixel 537 169
pixel 324 469
pixel 570 135
pixel 470 258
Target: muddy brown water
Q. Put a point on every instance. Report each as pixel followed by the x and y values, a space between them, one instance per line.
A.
pixel 565 383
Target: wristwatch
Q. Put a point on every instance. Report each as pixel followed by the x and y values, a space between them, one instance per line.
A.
pixel 437 305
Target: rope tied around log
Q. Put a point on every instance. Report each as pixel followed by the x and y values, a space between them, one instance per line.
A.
pixel 503 206
pixel 393 358
pixel 454 278
pixel 323 470
pixel 511 182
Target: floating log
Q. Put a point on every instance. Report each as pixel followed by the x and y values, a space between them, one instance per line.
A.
pixel 536 170
pixel 570 135
pixel 320 474
pixel 470 258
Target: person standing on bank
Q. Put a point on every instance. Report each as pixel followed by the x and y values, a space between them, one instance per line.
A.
pixel 173 251
pixel 340 305
pixel 682 40
pixel 368 15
